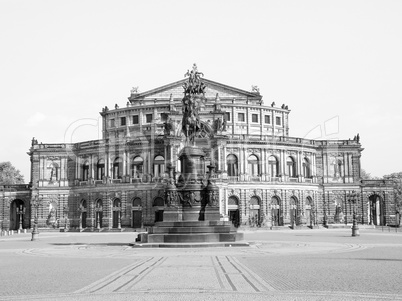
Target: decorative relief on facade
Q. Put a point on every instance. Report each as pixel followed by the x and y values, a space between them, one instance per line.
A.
pixel 291 153
pixel 52 158
pixel 234 192
pixel 254 150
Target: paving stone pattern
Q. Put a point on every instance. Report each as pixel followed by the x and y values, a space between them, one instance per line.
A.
pixel 287 265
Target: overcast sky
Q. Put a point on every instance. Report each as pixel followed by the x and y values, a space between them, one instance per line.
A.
pixel 336 64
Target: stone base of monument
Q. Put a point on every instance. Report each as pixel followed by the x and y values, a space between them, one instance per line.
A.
pixel 195 213
pixel 190 234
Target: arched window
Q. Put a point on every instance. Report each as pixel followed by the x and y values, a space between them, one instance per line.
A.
pixel 306 168
pixel 273 166
pixel 137 167
pixel 291 167
pixel 99 204
pixel 137 202
pixel 100 169
pixel 340 168
pixel 159 202
pixel 117 168
pixel 233 201
pixel 159 166
pixel 293 202
pixel 116 203
pixel 85 171
pixel 275 201
pixel 253 165
pixel 309 201
pixel 231 161
pixel 254 200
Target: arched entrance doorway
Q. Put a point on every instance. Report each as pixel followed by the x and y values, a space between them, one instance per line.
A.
pixel 309 212
pixel 376 210
pixel 17 212
pixel 83 214
pixel 233 211
pixel 338 217
pixel 276 211
pixel 99 214
pixel 255 213
pixel 136 217
pixel 293 211
pixel 52 218
pixel 159 206
pixel 116 213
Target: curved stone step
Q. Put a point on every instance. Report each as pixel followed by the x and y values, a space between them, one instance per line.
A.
pixel 194 237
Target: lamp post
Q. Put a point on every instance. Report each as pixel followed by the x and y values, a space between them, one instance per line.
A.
pixel 353 197
pixel 98 210
pixel 21 213
pixel 35 204
pixel 80 210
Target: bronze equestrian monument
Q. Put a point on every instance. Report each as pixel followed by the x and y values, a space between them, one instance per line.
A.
pixel 191 217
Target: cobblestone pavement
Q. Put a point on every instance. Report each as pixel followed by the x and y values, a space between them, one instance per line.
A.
pixel 318 264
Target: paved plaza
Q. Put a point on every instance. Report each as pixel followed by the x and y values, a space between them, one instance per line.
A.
pixel 319 264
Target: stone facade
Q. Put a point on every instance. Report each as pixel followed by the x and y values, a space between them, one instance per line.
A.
pixel 265 177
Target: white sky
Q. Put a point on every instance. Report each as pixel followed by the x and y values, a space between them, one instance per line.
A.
pixel 336 64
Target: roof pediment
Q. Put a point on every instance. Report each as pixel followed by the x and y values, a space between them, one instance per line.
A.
pixel 176 90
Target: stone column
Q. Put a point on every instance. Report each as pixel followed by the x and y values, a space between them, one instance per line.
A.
pixel 282 164
pixel 241 163
pixel 91 167
pixel 264 164
pixel 42 176
pixel 108 166
pixel 224 158
pixel 219 165
pixel 79 168
pixel 124 171
pixel 299 165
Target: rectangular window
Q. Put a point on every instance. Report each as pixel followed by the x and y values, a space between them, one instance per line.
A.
pixel 122 121
pixel 254 117
pixel 278 120
pixel 135 119
pixel 267 119
pixel 112 123
pixel 240 117
pixel 227 116
pixel 148 118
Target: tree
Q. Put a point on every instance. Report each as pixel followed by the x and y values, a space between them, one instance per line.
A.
pixel 396 177
pixel 364 175
pixel 9 175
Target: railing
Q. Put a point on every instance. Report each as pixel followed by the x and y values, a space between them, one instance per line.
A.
pixel 255 179
pixel 233 179
pixel 308 180
pixel 293 179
